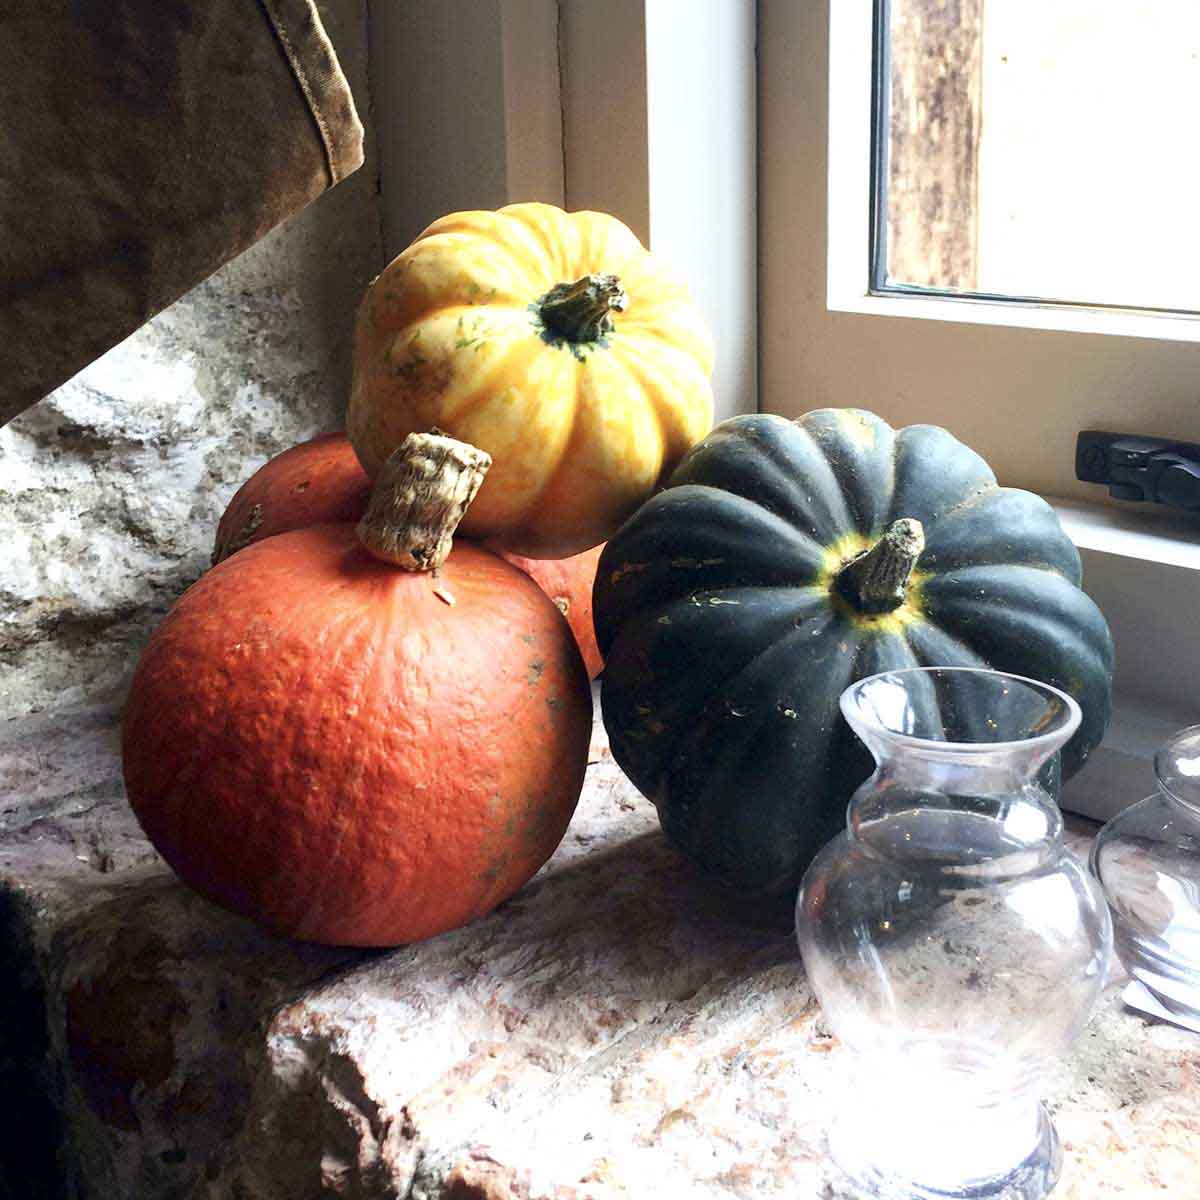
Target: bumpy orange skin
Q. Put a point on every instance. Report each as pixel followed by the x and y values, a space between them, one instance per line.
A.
pixel 322 480
pixel 322 743
pixel 580 433
pixel 569 582
pixel 317 481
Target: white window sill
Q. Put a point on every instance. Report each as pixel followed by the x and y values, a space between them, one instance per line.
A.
pixel 1149 532
pixel 1142 566
pixel 845 294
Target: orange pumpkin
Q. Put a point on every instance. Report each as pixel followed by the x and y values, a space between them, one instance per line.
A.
pixel 569 582
pixel 351 753
pixel 321 480
pixel 317 481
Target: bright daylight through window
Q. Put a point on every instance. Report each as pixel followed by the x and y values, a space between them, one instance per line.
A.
pixel 1031 150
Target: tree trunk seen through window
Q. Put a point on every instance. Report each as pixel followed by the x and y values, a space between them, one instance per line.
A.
pixel 932 169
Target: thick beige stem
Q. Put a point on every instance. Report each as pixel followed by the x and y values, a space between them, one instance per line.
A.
pixel 419 497
pixel 875 581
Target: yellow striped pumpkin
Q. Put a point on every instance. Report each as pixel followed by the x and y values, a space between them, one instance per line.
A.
pixel 555 342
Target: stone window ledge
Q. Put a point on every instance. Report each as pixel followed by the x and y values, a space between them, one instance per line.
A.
pixel 612 1031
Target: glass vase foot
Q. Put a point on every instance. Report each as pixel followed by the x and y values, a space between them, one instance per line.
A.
pixel 963 1163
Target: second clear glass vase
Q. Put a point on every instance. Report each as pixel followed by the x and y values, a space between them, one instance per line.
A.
pixel 954 943
pixel 1147 859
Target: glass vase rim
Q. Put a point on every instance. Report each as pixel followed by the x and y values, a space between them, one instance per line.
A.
pixel 1060 734
pixel 1167 780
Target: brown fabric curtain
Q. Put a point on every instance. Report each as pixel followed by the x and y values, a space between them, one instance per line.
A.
pixel 143 143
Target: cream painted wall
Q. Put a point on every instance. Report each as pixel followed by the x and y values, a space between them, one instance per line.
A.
pixel 466 108
pixel 660 125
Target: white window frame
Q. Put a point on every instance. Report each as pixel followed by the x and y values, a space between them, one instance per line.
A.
pixel 851 62
pixel 1018 395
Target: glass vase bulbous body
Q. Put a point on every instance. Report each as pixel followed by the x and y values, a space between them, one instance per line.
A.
pixel 1147 859
pixel 954 943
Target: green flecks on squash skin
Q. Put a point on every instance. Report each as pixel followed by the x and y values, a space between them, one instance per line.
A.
pixel 472 334
pixel 410 367
pixel 476 294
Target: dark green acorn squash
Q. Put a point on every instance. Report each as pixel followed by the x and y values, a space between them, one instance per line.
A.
pixel 783 561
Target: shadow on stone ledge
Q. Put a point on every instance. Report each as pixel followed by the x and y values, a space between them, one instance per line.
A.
pixel 31 1132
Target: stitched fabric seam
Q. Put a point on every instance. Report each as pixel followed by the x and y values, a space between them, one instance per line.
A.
pixel 305 87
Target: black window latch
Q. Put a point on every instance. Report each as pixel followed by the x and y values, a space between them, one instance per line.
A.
pixel 1140 468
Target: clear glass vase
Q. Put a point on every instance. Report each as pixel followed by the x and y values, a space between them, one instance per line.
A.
pixel 1147 859
pixel 954 943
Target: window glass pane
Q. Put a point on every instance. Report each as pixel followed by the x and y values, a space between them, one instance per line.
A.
pixel 1041 150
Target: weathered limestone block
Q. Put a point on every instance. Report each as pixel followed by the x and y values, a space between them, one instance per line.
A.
pixel 614 1030
pixel 144 995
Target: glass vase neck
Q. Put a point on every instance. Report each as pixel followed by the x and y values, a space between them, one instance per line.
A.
pixel 996 828
pixel 958 753
pixel 933 766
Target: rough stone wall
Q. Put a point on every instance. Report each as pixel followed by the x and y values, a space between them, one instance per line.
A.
pixel 111 487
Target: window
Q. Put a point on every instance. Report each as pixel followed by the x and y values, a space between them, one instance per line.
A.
pixel 1031 151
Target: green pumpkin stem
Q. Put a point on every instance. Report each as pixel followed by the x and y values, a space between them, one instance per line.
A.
pixel 420 495
pixel 582 311
pixel 876 580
